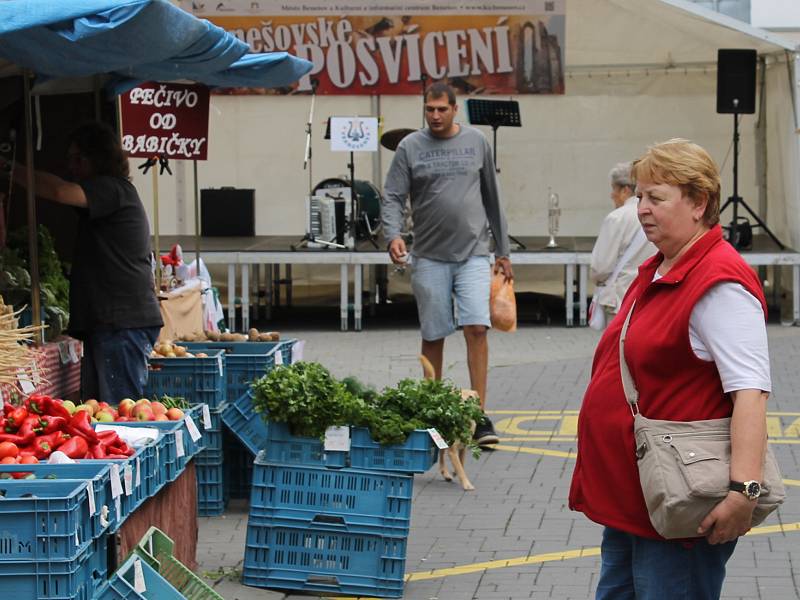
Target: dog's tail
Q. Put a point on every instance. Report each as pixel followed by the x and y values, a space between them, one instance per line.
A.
pixel 427 368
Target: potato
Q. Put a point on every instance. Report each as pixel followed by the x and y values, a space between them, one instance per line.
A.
pixel 274 336
pixel 180 351
pixel 226 337
pixel 240 337
pixel 171 355
pixel 252 335
pixel 201 355
pixel 264 337
pixel 189 355
pixel 214 336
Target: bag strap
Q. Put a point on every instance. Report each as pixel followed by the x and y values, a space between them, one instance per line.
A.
pixel 637 243
pixel 628 385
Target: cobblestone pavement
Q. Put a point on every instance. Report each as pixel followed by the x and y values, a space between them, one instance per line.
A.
pixel 514 537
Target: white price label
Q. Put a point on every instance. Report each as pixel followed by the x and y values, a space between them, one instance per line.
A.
pixel 138 577
pixel 37 378
pixel 138 471
pixel 63 352
pixel 116 483
pixel 297 351
pixel 118 506
pixel 191 427
pixel 90 493
pixel 337 439
pixel 73 354
pixel 438 439
pixel 179 449
pixel 206 417
pixel 77 541
pixel 127 476
pixel 25 382
pixel 158 457
pixel 219 364
pixel 278 358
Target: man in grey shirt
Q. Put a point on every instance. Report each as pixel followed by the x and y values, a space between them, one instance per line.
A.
pixel 448 171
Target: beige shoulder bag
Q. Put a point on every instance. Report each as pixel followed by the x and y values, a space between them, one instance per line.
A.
pixel 684 467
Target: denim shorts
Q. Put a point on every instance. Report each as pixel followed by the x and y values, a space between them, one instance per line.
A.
pixel 437 284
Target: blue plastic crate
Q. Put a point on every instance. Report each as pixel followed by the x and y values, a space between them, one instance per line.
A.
pixel 175 464
pixel 353 500
pixel 210 483
pixel 315 560
pixel 213 508
pixel 244 361
pixel 77 579
pixel 238 466
pixel 418 454
pixel 97 473
pixel 44 520
pixel 212 439
pixel 199 380
pixel 121 585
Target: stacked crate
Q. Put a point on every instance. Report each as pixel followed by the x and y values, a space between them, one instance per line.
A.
pixel 201 381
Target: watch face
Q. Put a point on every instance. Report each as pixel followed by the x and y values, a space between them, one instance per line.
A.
pixel 753 489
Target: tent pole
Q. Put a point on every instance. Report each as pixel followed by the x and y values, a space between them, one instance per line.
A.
pixel 33 229
pixel 155 229
pixel 196 218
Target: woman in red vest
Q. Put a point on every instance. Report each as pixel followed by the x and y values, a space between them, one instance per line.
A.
pixel 697 349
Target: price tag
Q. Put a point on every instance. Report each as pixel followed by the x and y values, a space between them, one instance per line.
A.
pixel 437 439
pixel 25 382
pixel 118 506
pixel 63 352
pixel 127 476
pixel 179 450
pixel 37 378
pixel 337 439
pixel 138 577
pixel 73 354
pixel 138 471
pixel 297 351
pixel 77 541
pixel 116 484
pixel 206 417
pixel 158 452
pixel 194 432
pixel 90 493
pixel 278 358
pixel 219 364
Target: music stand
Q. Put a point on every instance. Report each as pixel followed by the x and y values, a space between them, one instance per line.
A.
pixel 495 113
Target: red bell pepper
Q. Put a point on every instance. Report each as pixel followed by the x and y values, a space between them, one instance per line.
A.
pixel 116 456
pixel 57 409
pixel 79 425
pixel 75 447
pixel 109 437
pixel 98 450
pixel 16 417
pixel 51 424
pixel 42 448
pixel 37 404
pixel 8 408
pixel 14 438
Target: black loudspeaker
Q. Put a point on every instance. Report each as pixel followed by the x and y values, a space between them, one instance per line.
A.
pixel 736 81
pixel 227 212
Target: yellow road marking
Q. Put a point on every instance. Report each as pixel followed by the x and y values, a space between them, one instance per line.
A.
pixel 548 557
pixel 791 481
pixel 540 451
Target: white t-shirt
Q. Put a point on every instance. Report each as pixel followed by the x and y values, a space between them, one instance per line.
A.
pixel 727 327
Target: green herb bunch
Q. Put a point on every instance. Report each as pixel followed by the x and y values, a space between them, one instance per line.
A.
pixel 309 399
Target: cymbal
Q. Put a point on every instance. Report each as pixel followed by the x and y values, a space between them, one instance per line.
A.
pixel 392 138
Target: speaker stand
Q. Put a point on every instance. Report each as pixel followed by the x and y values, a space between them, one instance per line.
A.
pixel 735 200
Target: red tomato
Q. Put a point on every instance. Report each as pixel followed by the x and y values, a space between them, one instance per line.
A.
pixel 8 449
pixel 28 460
pixel 8 460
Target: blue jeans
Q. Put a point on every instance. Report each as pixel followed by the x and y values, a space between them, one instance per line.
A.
pixel 115 363
pixel 638 568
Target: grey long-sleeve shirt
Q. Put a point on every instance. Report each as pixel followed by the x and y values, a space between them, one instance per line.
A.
pixel 455 198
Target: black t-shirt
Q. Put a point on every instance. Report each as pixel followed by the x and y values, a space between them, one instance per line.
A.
pixel 111 285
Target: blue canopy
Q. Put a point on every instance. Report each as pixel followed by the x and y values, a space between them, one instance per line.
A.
pixel 134 41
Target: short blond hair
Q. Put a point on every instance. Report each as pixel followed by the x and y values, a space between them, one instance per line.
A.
pixel 687 165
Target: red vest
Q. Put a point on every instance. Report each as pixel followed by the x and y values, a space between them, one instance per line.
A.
pixel 673 383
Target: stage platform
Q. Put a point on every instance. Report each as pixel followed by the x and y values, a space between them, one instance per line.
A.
pixel 240 254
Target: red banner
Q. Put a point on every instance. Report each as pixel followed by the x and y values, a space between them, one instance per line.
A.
pixel 165 119
pixel 389 47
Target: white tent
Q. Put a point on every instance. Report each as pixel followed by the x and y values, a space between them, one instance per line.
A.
pixel 637 72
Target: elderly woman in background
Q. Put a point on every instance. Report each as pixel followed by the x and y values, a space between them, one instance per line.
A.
pixel 621 245
pixel 697 349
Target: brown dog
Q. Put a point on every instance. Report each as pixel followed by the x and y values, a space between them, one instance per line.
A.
pixel 457 451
